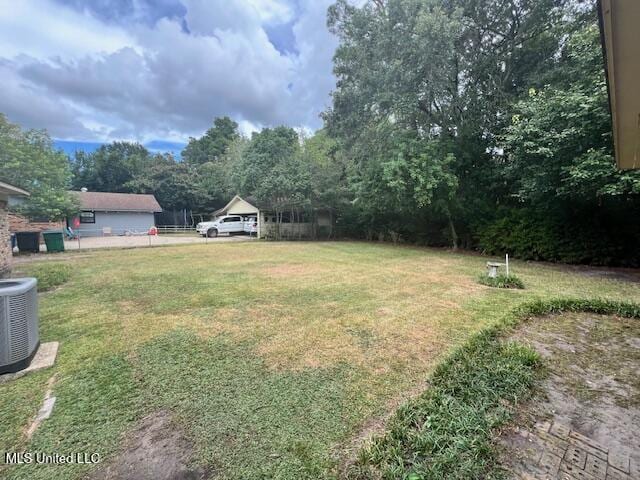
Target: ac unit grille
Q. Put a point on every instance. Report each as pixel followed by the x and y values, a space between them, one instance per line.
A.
pixel 18 327
pixel 19 337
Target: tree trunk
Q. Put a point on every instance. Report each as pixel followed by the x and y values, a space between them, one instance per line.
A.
pixel 454 234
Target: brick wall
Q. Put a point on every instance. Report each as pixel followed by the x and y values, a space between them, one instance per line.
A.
pixel 5 248
pixel 18 223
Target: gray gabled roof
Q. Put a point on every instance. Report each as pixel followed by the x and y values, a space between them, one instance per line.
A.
pixel 118 202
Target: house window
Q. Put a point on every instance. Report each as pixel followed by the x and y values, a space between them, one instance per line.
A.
pixel 40 219
pixel 87 217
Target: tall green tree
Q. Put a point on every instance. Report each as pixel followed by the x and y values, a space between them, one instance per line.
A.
pixel 328 170
pixel 559 144
pixel 271 168
pixel 174 184
pixel 442 74
pixel 29 161
pixel 566 201
pixel 111 167
pixel 213 145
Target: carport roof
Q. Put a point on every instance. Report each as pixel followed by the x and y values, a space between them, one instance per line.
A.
pixel 118 202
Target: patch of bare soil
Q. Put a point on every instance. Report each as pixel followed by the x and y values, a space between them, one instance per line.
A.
pixel 616 273
pixel 42 257
pixel 585 420
pixel 155 450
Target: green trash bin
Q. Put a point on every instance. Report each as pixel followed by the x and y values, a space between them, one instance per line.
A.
pixel 54 240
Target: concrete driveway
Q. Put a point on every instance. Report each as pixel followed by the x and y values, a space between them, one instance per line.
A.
pixel 143 241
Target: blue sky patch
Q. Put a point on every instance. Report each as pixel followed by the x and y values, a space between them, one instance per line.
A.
pixel 282 37
pixel 70 147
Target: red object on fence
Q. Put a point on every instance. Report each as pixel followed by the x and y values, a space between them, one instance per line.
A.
pixel 153 231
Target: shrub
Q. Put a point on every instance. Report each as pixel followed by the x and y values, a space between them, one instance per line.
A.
pixel 50 275
pixel 501 281
pixel 595 236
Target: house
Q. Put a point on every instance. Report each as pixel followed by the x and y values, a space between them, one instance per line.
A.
pixel 6 191
pixel 283 221
pixel 620 38
pixel 103 213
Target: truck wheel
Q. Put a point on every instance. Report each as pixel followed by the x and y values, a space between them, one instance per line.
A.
pixel 213 233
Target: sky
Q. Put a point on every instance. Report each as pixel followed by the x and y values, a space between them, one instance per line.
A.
pixel 159 71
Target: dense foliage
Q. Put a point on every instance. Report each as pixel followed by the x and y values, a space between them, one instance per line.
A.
pixel 483 124
pixel 29 161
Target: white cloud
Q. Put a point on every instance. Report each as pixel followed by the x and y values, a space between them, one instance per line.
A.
pixel 83 79
pixel 43 29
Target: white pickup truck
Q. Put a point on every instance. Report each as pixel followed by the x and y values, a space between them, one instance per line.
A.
pixel 229 224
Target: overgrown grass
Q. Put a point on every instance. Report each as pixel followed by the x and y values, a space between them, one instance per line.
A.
pixel 270 356
pixel 502 280
pixel 50 275
pixel 447 432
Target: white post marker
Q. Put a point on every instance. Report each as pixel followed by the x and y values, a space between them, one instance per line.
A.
pixel 506 258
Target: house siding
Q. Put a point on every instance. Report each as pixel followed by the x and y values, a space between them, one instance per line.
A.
pixel 119 222
pixel 5 246
pixel 240 207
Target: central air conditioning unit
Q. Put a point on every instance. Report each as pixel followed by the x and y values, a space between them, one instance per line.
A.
pixel 19 337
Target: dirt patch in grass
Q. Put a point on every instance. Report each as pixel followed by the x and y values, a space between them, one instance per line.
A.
pixel 287 270
pixel 155 450
pixel 621 274
pixel 39 257
pixel 389 318
pixel 377 341
pixel 593 389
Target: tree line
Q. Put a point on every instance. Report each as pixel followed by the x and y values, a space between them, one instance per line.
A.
pixel 482 124
pixel 277 166
pixel 478 124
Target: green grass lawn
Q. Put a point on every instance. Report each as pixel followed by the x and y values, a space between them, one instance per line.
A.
pixel 270 356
